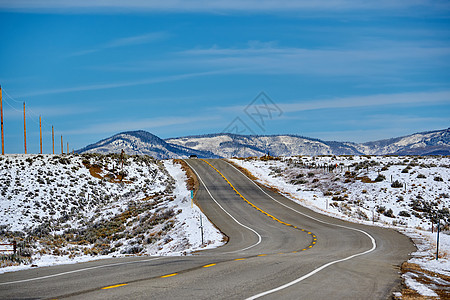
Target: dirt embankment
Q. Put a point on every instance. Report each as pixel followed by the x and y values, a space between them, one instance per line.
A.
pixel 192 181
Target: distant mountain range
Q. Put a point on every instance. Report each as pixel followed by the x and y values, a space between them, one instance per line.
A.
pixel 143 142
pixel 228 145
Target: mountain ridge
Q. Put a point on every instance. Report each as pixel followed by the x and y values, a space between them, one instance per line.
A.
pixel 215 145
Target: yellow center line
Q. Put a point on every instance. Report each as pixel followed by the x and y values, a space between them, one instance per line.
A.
pixel 239 259
pixel 113 286
pixel 259 209
pixel 169 275
pixel 262 255
pixel 210 265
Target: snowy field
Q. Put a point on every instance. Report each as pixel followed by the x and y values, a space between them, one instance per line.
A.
pixel 405 193
pixel 73 208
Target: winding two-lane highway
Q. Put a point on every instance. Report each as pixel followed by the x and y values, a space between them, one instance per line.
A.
pixel 276 249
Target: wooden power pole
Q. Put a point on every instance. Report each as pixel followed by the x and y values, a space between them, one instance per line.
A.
pixel 1 109
pixel 24 129
pixel 53 140
pixel 62 148
pixel 67 147
pixel 40 131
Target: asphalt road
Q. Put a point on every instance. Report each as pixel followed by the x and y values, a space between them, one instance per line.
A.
pixel 276 250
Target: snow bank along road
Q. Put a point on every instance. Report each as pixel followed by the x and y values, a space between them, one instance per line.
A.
pixel 276 249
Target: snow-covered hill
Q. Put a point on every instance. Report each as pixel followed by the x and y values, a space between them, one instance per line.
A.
pixel 425 143
pixel 401 192
pixel 69 208
pixel 229 145
pixel 142 143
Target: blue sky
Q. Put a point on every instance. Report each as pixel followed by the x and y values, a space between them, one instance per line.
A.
pixel 344 70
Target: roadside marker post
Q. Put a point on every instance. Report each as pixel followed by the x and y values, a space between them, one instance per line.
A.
pixel 437 240
pixel 192 198
pixel 201 227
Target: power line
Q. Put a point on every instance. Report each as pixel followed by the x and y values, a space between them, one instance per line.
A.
pixel 35 118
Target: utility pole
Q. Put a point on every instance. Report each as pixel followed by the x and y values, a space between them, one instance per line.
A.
pixel 67 147
pixel 53 140
pixel 62 148
pixel 121 159
pixel 1 109
pixel 40 130
pixel 24 128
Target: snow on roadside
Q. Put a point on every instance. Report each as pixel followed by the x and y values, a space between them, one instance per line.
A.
pixel 345 187
pixel 75 208
pixel 188 227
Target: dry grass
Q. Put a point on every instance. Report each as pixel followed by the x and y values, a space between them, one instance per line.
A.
pixel 96 171
pixel 427 278
pixel 192 182
pixel 365 179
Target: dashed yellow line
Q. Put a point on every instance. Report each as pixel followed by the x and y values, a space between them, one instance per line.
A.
pixel 113 286
pixel 256 207
pixel 210 265
pixel 169 275
pixel 239 259
pixel 261 255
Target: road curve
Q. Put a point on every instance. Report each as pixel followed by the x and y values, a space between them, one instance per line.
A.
pixel 276 249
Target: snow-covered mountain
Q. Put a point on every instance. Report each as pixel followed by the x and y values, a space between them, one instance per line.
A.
pixel 229 145
pixel 142 143
pixel 425 143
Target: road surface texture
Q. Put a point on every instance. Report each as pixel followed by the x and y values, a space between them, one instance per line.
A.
pixel 277 249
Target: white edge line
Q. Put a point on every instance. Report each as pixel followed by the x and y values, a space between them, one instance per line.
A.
pixel 79 270
pixel 259 236
pixel 374 246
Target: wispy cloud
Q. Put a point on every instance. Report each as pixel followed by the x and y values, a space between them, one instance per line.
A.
pixel 375 58
pixel 378 127
pixel 126 41
pixel 105 86
pixel 384 100
pixel 417 98
pixel 221 6
pixel 142 124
